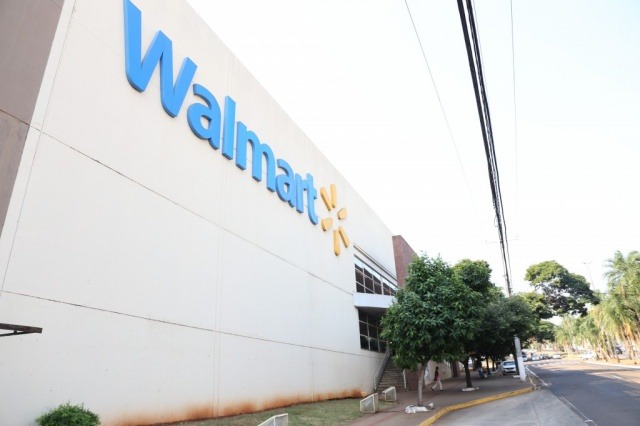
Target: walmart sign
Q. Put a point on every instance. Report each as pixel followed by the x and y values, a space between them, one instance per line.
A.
pixel 205 117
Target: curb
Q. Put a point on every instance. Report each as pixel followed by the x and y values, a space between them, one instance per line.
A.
pixel 611 364
pixel 467 404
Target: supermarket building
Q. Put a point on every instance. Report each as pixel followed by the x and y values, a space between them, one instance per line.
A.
pixel 185 248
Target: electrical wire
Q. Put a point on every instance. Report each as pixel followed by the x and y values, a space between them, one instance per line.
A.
pixel 444 114
pixel 470 34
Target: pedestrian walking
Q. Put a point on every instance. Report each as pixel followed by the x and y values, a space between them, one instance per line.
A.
pixel 479 367
pixel 436 379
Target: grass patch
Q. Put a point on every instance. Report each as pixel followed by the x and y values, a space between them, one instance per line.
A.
pixel 325 413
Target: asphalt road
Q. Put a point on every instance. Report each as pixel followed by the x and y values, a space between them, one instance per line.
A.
pixel 600 394
pixel 569 393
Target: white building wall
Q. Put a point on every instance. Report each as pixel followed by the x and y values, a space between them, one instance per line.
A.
pixel 169 284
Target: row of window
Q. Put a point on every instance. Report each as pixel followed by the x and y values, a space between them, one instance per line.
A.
pixel 370 281
pixel 370 333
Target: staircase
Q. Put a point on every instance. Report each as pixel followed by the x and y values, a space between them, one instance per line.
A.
pixel 392 376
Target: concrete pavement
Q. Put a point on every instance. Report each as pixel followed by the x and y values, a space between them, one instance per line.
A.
pixel 451 398
pixel 539 408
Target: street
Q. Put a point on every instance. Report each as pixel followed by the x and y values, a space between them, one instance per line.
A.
pixel 570 392
pixel 603 393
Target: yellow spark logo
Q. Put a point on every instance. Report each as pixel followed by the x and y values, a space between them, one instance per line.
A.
pixel 330 201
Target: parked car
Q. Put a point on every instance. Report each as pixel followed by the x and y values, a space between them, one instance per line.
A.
pixel 508 367
pixel 556 356
pixel 588 355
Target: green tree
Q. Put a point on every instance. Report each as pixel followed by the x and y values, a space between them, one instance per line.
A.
pixel 476 276
pixel 509 317
pixel 566 332
pixel 564 292
pixel 521 319
pixel 620 319
pixel 538 304
pixel 607 329
pixel 588 332
pixel 545 332
pixel 623 276
pixel 617 317
pixel 430 317
pixel 624 272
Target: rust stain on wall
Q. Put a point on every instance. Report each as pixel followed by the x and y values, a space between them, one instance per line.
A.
pixel 209 411
pixel 192 412
pixel 285 401
pixel 352 393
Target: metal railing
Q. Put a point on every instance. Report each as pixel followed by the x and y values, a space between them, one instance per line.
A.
pixel 381 367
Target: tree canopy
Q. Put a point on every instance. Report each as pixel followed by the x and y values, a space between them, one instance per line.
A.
pixel 538 304
pixel 504 319
pixel 475 275
pixel 623 276
pixel 431 315
pixel 451 313
pixel 613 326
pixel 564 292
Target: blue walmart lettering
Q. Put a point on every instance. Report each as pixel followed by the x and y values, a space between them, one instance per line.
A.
pixel 289 186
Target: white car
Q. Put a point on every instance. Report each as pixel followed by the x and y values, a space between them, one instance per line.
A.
pixel 508 367
pixel 556 356
pixel 588 355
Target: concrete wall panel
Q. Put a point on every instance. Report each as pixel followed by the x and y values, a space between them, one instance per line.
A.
pixel 146 145
pixel 264 298
pixel 89 236
pixel 127 369
pixel 260 383
pixel 342 375
pixel 333 319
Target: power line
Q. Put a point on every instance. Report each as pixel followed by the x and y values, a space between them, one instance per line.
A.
pixel 444 114
pixel 470 33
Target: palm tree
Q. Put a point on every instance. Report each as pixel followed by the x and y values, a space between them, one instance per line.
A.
pixel 623 270
pixel 587 332
pixel 610 328
pixel 623 304
pixel 623 275
pixel 567 332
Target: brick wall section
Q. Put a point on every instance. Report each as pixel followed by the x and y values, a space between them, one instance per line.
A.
pixel 403 254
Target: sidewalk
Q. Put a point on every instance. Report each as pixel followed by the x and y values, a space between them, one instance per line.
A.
pixel 449 399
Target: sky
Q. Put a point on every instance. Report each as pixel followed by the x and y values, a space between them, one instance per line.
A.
pixel 563 84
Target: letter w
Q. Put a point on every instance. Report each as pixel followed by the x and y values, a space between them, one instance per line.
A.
pixel 139 70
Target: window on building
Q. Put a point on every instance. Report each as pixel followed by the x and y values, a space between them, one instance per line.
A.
pixel 370 333
pixel 372 279
pixel 368 280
